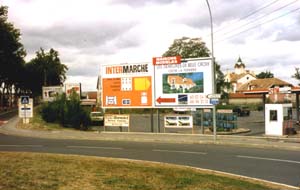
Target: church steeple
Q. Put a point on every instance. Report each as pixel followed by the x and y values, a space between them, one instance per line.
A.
pixel 239 66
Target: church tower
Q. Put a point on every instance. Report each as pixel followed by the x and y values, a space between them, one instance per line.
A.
pixel 239 67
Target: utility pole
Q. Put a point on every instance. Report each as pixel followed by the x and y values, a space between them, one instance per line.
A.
pixel 213 70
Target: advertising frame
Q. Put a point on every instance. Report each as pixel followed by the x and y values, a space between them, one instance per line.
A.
pixel 184 85
pixel 127 85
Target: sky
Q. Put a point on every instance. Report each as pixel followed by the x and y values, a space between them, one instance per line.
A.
pixel 88 33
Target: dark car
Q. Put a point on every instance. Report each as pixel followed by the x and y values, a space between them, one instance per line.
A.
pixel 241 111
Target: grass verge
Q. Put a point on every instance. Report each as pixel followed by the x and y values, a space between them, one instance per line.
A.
pixel 65 172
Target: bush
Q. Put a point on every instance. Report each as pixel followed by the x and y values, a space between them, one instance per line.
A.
pixel 68 113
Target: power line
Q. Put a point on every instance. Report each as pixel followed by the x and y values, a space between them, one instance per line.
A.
pixel 250 14
pixel 261 17
pixel 229 37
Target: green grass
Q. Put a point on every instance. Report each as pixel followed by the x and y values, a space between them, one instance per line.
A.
pixel 51 171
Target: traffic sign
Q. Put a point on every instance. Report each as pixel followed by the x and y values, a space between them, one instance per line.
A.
pixel 214 101
pixel 24 99
pixel 214 96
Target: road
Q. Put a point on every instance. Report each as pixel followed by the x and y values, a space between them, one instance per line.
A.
pixel 279 166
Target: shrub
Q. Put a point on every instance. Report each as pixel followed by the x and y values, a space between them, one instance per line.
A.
pixel 68 113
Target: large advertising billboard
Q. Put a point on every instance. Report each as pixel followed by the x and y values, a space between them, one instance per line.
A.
pixel 69 87
pixel 51 92
pixel 185 85
pixel 127 85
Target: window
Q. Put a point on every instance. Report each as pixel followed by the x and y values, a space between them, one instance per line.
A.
pixel 273 115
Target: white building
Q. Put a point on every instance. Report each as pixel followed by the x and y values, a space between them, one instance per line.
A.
pixel 240 76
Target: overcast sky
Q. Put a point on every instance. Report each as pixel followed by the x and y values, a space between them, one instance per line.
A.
pixel 265 34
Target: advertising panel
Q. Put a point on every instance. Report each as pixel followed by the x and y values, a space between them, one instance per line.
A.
pixel 184 85
pixel 116 120
pixel 50 92
pixel 127 85
pixel 178 121
pixel 69 87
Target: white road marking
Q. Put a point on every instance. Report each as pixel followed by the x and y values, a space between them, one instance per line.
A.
pixel 19 145
pixel 270 159
pixel 95 147
pixel 176 151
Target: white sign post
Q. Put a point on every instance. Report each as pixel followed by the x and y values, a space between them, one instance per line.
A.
pixel 25 108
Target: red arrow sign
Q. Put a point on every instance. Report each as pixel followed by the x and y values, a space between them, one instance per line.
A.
pixel 165 100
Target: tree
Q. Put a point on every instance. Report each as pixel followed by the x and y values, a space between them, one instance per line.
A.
pixel 193 48
pixel 264 75
pixel 12 55
pixel 188 48
pixel 67 112
pixel 297 74
pixel 45 70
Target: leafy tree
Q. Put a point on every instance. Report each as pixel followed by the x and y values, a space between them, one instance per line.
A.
pixel 264 75
pixel 297 74
pixel 12 55
pixel 188 48
pixel 192 48
pixel 45 70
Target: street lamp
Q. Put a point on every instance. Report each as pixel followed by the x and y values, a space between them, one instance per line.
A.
pixel 213 69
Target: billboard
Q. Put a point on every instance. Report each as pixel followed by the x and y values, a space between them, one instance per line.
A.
pixel 50 92
pixel 116 120
pixel 69 87
pixel 127 85
pixel 185 85
pixel 178 121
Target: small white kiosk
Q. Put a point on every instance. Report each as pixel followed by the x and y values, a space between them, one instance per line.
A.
pixel 278 117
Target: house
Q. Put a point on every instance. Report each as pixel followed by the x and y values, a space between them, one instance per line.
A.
pixel 239 77
pixel 277 89
pixel 89 99
pixel 178 82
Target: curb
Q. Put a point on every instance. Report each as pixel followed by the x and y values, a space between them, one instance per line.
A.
pixel 242 141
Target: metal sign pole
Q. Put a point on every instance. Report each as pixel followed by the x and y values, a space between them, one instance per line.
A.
pixel 213 70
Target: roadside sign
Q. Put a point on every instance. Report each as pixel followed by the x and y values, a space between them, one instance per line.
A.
pixel 127 85
pixel 26 110
pixel 166 60
pixel 214 101
pixel 183 85
pixel 214 96
pixel 24 99
pixel 51 92
pixel 178 121
pixel 116 120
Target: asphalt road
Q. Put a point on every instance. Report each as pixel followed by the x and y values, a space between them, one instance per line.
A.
pixel 279 166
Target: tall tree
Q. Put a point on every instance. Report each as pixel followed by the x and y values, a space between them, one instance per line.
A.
pixel 264 75
pixel 192 48
pixel 188 48
pixel 12 55
pixel 45 70
pixel 297 74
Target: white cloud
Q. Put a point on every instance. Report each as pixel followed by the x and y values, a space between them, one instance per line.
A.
pixel 92 32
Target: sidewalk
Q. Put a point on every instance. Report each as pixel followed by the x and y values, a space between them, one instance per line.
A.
pixel 245 141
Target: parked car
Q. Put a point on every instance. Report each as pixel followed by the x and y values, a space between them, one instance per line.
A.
pixel 241 111
pixel 97 117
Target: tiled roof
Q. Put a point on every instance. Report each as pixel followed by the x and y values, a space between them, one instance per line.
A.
pixel 179 80
pixel 235 77
pixel 242 95
pixel 92 95
pixel 263 84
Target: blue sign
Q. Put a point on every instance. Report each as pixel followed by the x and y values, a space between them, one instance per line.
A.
pixel 214 101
